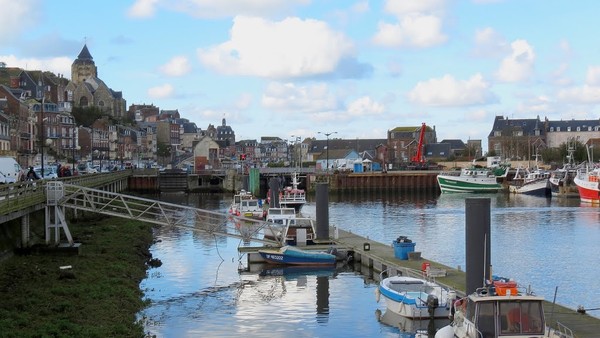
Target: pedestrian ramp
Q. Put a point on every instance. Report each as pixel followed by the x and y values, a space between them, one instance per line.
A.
pixel 61 195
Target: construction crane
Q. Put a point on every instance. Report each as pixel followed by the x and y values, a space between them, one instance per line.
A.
pixel 419 158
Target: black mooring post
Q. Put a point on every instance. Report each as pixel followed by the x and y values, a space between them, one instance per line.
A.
pixel 477 242
pixel 322 199
pixel 274 193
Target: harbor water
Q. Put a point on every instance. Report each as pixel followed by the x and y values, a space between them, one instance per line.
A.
pixel 204 288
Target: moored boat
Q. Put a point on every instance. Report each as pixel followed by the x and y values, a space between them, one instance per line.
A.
pixel 245 205
pixel 501 309
pixel 295 256
pixel 285 227
pixel 292 196
pixel 588 185
pixel 472 180
pixel 415 298
pixel 531 183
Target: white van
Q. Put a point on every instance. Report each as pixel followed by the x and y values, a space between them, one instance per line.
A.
pixel 10 170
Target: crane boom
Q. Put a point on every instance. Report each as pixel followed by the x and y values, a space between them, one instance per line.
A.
pixel 419 158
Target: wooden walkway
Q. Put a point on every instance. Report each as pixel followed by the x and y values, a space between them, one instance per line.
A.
pixel 381 256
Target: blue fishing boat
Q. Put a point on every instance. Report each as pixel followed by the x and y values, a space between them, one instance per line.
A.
pixel 295 256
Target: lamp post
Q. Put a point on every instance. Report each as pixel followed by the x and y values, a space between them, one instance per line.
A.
pixel 297 155
pixel 42 131
pixel 327 146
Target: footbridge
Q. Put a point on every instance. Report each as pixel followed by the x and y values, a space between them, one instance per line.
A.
pixel 79 198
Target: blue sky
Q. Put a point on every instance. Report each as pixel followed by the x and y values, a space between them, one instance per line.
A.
pixel 299 67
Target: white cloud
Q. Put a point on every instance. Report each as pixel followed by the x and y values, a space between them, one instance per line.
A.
pixel 177 66
pixel 161 92
pixel 288 48
pixel 401 8
pixel 447 91
pixel 288 97
pixel 489 43
pixel 518 66
pixel 57 65
pixel 593 76
pixel 230 8
pixel 143 9
pixel 585 94
pixel 365 106
pixel 15 16
pixel 413 30
pixel 244 101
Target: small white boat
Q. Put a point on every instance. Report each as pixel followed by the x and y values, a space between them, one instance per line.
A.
pixel 245 205
pixel 501 310
pixel 285 227
pixel 415 298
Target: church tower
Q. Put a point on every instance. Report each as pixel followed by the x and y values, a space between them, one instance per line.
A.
pixel 83 67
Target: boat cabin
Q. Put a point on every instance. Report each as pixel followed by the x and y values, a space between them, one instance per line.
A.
pixel 289 229
pixel 508 315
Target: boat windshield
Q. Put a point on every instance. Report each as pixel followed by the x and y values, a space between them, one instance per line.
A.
pixel 521 317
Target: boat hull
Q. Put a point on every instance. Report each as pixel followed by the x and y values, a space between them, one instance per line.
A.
pixel 297 257
pixel 537 188
pixel 458 184
pixel 589 191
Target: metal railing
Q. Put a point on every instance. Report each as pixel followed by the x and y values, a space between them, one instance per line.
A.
pixel 163 213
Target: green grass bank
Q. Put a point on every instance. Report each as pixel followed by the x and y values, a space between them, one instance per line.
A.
pixel 98 297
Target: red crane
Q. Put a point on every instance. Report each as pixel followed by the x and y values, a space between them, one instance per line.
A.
pixel 419 158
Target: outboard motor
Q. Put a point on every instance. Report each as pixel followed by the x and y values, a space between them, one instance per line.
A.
pixel 432 303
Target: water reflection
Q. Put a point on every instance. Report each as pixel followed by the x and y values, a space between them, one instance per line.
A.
pixel 199 290
pixel 409 327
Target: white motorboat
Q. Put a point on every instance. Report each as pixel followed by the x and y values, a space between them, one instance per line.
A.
pixel 415 298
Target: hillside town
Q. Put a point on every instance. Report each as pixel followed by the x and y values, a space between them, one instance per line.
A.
pixel 48 118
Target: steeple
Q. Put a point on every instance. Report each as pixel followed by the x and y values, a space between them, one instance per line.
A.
pixel 85 54
pixel 83 67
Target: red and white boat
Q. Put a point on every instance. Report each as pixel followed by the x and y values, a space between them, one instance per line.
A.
pixel 588 185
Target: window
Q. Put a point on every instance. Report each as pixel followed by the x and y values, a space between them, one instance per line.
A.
pixel 497 133
pixel 521 317
pixel 551 129
pixel 557 128
pixel 518 133
pixel 568 128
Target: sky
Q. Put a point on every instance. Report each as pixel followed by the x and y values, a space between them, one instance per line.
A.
pixel 306 68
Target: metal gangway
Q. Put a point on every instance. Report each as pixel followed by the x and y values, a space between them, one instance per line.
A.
pixel 60 196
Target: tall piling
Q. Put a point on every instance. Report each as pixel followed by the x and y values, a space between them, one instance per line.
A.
pixel 322 200
pixel 274 192
pixel 477 241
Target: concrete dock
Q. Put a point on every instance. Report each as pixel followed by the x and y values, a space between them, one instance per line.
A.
pixel 380 257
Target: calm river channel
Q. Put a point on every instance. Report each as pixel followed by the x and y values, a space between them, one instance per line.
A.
pixel 199 291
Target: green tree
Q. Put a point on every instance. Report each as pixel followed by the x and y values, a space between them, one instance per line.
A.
pixel 163 151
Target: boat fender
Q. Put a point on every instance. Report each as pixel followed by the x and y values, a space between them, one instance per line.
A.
pixel 237 213
pixel 377 294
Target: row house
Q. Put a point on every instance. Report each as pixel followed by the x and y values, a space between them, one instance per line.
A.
pixel 148 141
pixel 402 143
pixel 273 150
pixel 517 139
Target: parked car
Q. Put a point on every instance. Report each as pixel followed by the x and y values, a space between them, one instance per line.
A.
pixel 86 168
pixel 49 172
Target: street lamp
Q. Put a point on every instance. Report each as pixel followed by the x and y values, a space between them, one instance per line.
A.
pixel 297 151
pixel 327 146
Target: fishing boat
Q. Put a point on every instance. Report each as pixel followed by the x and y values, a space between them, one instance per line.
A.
pixel 588 182
pixel 472 180
pixel 245 205
pixel 292 196
pixel 296 256
pixel 285 227
pixel 415 298
pixel 588 185
pixel 562 179
pixel 530 182
pixel 501 309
